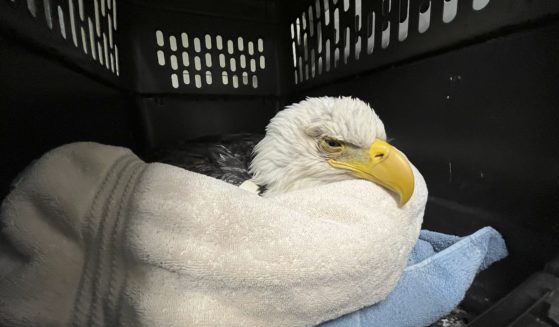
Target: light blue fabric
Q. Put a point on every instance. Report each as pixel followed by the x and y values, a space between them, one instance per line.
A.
pixel 440 270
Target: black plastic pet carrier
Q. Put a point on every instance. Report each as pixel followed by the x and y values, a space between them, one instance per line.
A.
pixel 468 89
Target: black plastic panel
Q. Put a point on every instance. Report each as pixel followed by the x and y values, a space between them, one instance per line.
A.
pixel 387 46
pixel 481 125
pixel 262 11
pixel 534 303
pixel 178 72
pixel 56 27
pixel 43 104
pixel 172 118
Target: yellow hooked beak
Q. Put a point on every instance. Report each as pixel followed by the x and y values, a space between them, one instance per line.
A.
pixel 384 165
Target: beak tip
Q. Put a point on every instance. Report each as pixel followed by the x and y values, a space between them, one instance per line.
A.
pixel 403 202
pixel 406 195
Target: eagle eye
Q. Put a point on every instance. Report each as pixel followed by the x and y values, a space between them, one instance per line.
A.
pixel 334 143
pixel 331 146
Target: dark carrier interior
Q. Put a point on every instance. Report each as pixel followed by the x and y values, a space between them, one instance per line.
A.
pixel 467 89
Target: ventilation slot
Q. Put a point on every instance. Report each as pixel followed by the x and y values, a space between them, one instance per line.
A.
pixel 479 4
pixel 357 15
pixel 326 9
pixel 174 62
pixel 103 12
pixel 235 81
pixel 48 13
pixel 385 38
pixel 371 33
pixel 114 7
pixel 80 10
pixel 328 55
pixel 97 22
pixel 100 53
pixel 73 22
pixel 253 65
pixel 92 39
pixel 32 7
pixel 347 42
pixel 404 20
pixel 197 47
pixel 84 40
pixel 250 48
pixel 184 40
pixel 61 23
pixel 449 10
pixel 110 28
pixel 337 25
pixel 219 42
pixel 313 71
pixel 424 16
pixel 106 51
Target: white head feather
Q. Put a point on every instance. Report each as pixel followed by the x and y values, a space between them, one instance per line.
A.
pixel 288 157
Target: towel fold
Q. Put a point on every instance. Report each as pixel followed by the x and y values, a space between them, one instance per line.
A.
pixel 94 236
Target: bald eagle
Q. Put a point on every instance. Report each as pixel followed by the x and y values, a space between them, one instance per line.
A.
pixel 310 143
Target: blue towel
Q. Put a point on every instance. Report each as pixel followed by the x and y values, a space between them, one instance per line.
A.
pixel 440 270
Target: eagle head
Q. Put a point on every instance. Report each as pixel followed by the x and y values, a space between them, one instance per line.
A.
pixel 324 140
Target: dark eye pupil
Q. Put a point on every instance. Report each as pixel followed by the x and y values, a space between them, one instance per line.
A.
pixel 333 143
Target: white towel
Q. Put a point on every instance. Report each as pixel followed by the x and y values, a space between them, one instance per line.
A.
pixel 95 236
